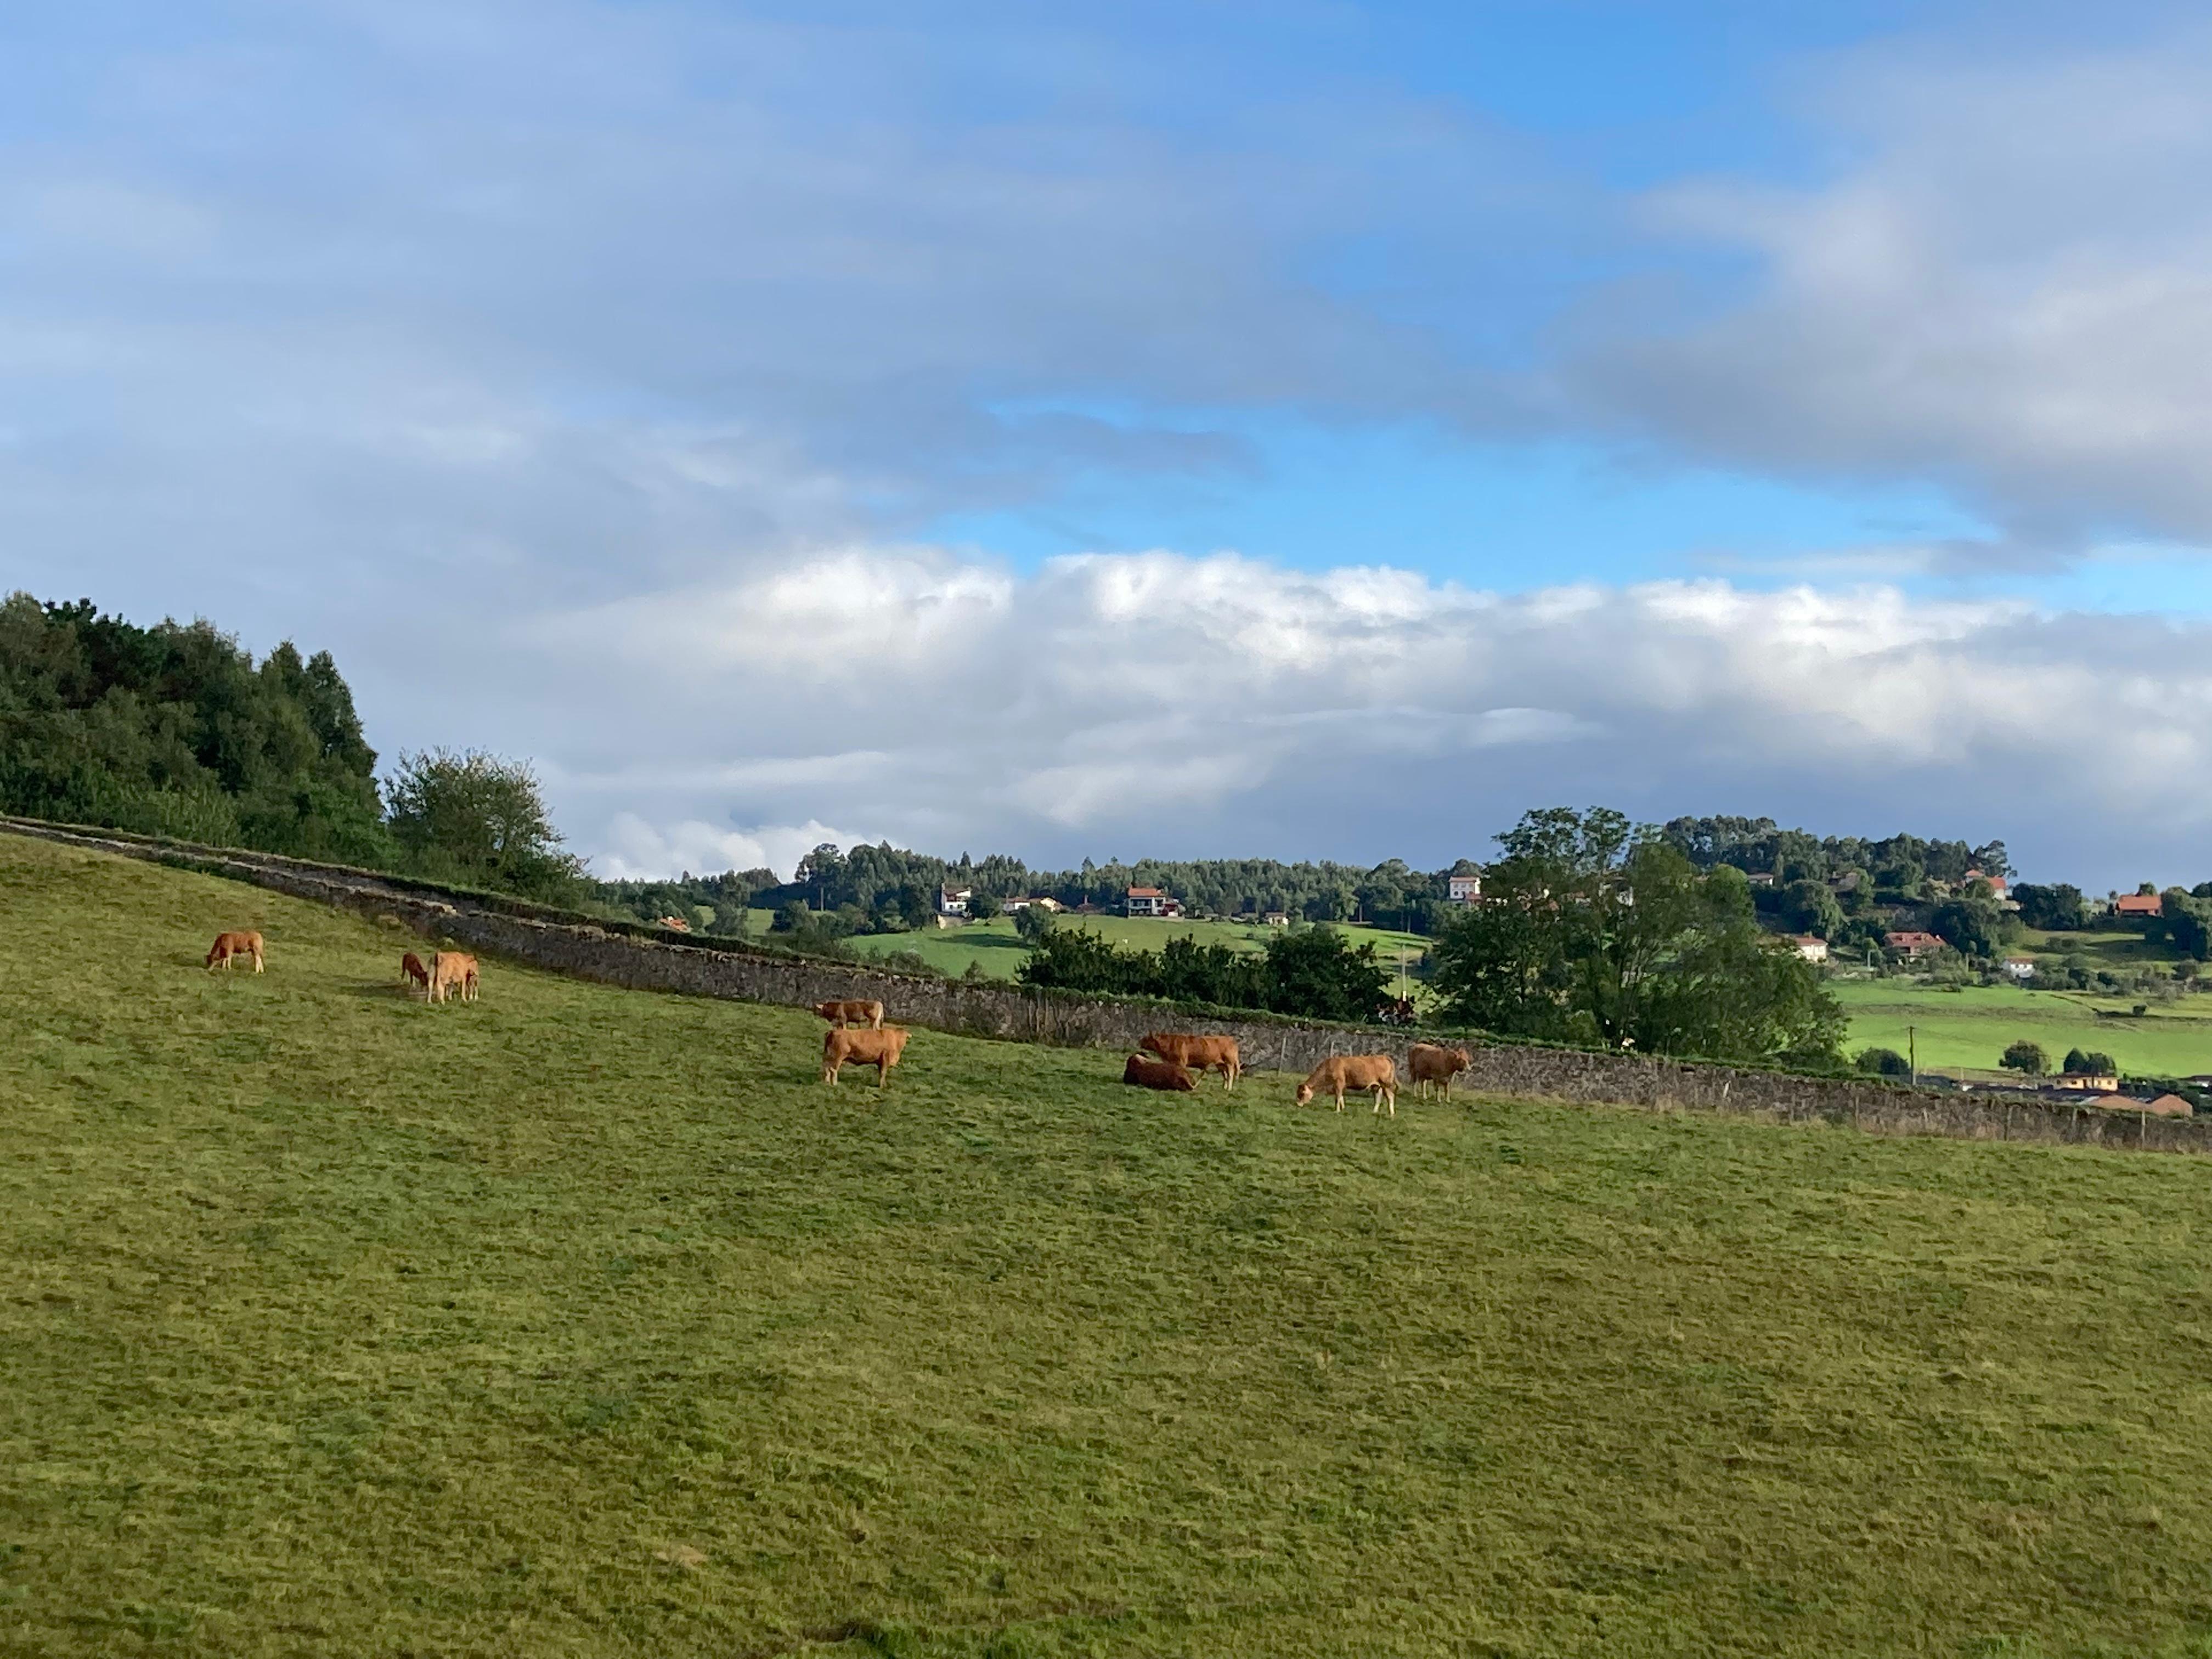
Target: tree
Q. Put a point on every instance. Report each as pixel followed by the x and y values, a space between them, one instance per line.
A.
pixel 982 906
pixel 2055 909
pixel 1971 923
pixel 1033 922
pixel 2026 1056
pixel 2187 923
pixel 481 820
pixel 1320 975
pixel 2081 1062
pixel 1808 906
pixel 1883 1062
pixel 1596 933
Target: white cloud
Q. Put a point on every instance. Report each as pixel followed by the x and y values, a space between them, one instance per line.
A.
pixel 2008 290
pixel 634 849
pixel 1164 702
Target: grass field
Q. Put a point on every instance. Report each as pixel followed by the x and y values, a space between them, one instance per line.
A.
pixel 1972 1026
pixel 585 1322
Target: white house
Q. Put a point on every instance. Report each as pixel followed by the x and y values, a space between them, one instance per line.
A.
pixel 1277 918
pixel 953 901
pixel 1810 948
pixel 2020 967
pixel 1462 889
pixel 1153 902
pixel 1014 904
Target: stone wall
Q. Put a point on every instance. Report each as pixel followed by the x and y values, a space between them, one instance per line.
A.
pixel 643 959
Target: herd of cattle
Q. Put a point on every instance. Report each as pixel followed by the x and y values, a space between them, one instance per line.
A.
pixel 1169 1061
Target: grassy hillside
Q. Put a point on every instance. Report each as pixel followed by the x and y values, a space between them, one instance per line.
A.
pixel 584 1322
pixel 1972 1026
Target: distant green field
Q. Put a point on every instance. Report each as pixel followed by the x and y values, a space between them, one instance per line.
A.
pixel 1971 1027
pixel 586 1322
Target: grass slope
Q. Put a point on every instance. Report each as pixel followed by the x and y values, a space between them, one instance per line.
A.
pixel 1972 1026
pixel 585 1323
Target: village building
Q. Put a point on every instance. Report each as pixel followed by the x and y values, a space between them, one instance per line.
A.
pixel 2139 904
pixel 1153 902
pixel 1811 948
pixel 2020 967
pixel 1463 885
pixel 1013 905
pixel 2087 1083
pixel 1277 918
pixel 953 901
pixel 1912 943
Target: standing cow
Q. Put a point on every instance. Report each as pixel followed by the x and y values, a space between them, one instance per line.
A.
pixel 1432 1062
pixel 863 1046
pixel 1355 1073
pixel 1198 1054
pixel 855 1012
pixel 454 972
pixel 228 945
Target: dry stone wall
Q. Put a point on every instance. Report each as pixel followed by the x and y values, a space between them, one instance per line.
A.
pixel 578 947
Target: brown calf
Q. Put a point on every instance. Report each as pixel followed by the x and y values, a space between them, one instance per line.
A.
pixel 868 1047
pixel 870 1014
pixel 1199 1054
pixel 412 972
pixel 455 971
pixel 1354 1072
pixel 1145 1072
pixel 228 945
pixel 1431 1062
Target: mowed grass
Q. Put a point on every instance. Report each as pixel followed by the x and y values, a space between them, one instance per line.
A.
pixel 585 1322
pixel 1972 1026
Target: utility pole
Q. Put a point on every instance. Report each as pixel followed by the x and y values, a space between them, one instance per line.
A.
pixel 1913 1052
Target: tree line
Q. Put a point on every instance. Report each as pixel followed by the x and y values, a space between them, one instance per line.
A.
pixel 175 730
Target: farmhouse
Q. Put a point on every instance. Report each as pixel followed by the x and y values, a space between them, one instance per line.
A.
pixel 1811 948
pixel 2138 904
pixel 2087 1083
pixel 1911 943
pixel 2020 967
pixel 1151 901
pixel 1463 885
pixel 953 901
pixel 1277 918
pixel 1012 905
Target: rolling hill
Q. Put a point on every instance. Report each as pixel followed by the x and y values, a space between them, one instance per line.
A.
pixel 585 1321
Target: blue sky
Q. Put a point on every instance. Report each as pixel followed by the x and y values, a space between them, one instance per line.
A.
pixel 766 417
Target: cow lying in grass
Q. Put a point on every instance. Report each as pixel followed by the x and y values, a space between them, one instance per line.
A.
pixel 870 1014
pixel 1432 1062
pixel 412 972
pixel 455 971
pixel 1198 1054
pixel 1378 1072
pixel 1146 1073
pixel 865 1047
pixel 228 945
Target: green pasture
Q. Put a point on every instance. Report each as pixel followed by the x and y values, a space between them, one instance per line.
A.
pixel 585 1322
pixel 1972 1026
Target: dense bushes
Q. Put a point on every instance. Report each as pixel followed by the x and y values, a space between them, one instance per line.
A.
pixel 1313 973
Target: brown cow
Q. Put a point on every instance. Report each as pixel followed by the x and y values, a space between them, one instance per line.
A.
pixel 878 1049
pixel 452 970
pixel 1432 1062
pixel 1199 1054
pixel 1376 1072
pixel 412 972
pixel 840 1014
pixel 1145 1072
pixel 228 945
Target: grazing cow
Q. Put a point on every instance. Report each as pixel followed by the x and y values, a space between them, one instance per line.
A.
pixel 880 1049
pixel 1431 1062
pixel 842 1014
pixel 1145 1072
pixel 1376 1072
pixel 1199 1054
pixel 455 971
pixel 412 972
pixel 228 945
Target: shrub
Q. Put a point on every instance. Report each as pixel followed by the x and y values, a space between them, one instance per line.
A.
pixel 1883 1062
pixel 2026 1056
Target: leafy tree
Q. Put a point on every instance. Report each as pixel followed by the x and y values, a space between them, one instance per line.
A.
pixel 2055 909
pixel 1033 922
pixel 982 906
pixel 2187 923
pixel 1808 906
pixel 2027 1056
pixel 1320 975
pixel 1599 933
pixel 1883 1062
pixel 2081 1062
pixel 480 820
pixel 1971 923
